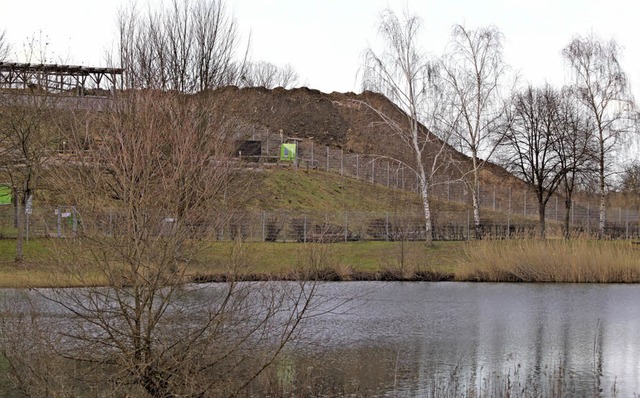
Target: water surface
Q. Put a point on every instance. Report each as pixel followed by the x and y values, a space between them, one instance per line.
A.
pixel 401 338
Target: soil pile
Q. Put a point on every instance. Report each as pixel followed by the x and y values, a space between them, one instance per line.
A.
pixel 341 120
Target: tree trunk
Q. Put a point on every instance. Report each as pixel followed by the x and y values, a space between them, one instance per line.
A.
pixel 476 213
pixel 602 215
pixel 424 193
pixel 475 197
pixel 20 239
pixel 541 218
pixel 567 219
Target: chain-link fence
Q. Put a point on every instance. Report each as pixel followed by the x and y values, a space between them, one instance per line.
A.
pixel 502 201
pixel 325 226
pixel 507 212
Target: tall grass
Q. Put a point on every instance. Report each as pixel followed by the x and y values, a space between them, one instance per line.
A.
pixel 550 261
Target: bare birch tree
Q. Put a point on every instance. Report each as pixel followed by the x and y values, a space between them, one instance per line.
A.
pixel 403 73
pixel 474 72
pixel 603 88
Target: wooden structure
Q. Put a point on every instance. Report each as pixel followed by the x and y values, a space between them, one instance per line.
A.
pixel 78 80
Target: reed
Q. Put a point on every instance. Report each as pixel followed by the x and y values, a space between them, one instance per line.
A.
pixel 535 260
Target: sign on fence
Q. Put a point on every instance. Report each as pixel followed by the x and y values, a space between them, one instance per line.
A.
pixel 288 152
pixel 5 194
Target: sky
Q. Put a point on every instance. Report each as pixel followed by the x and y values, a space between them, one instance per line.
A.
pixel 324 40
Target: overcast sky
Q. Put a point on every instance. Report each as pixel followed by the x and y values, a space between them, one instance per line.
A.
pixel 324 39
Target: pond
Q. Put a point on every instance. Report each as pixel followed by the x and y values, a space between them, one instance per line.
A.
pixel 459 339
pixel 420 339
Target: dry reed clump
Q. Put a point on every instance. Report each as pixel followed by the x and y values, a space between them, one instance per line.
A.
pixel 538 260
pixel 318 261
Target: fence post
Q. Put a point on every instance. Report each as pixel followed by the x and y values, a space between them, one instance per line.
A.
pixel 627 224
pixel 59 222
pixel 619 215
pixel 373 171
pixel 494 198
pixel 388 173
pixel 509 217
pixel 264 236
pixel 346 226
pixel 386 226
pixel 304 229
pixel 327 158
pixel 74 227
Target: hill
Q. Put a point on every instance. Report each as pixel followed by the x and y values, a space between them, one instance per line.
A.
pixel 343 121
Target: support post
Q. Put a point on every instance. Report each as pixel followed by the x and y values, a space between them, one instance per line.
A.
pixel 327 159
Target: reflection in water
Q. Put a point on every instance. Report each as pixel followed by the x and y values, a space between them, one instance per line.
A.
pixel 454 339
pixel 419 338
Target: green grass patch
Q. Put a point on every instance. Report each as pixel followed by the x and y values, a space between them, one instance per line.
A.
pixel 303 189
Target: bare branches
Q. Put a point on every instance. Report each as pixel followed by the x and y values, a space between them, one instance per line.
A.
pixel 28 138
pixel 268 75
pixel 474 73
pixel 602 87
pixel 402 73
pixel 533 140
pixel 161 164
pixel 4 46
pixel 188 46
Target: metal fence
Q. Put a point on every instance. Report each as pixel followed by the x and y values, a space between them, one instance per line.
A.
pixel 502 201
pixel 507 212
pixel 318 226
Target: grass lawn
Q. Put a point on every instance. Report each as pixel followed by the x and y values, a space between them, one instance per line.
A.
pixel 516 260
pixel 41 259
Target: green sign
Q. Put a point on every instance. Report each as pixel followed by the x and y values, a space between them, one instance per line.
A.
pixel 5 194
pixel 288 152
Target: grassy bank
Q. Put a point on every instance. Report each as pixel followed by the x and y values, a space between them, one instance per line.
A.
pixel 491 261
pixel 257 261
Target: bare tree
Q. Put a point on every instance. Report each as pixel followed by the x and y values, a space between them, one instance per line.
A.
pixel 603 88
pixel 268 75
pixel 4 46
pixel 574 147
pixel 474 73
pixel 531 142
pixel 27 141
pixel 152 191
pixel 630 183
pixel 187 46
pixel 405 75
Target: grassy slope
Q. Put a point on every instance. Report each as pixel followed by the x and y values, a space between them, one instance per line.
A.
pixel 290 189
pixel 312 190
pixel 282 188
